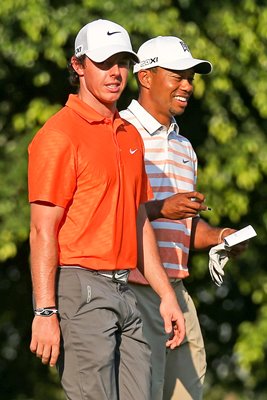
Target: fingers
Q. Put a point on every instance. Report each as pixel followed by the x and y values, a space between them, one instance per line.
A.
pixel 168 326
pixel 194 200
pixel 45 341
pixel 47 354
pixel 175 327
pixel 197 196
pixel 183 205
pixel 33 345
pixel 177 336
pixel 39 351
pixel 54 356
pixel 43 353
pixel 197 201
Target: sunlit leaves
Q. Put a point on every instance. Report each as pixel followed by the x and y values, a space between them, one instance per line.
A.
pixel 229 134
pixel 251 346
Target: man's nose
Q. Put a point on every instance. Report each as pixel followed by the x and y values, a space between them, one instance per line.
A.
pixel 115 70
pixel 187 85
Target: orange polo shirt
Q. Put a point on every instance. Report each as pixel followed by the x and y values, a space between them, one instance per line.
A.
pixel 94 168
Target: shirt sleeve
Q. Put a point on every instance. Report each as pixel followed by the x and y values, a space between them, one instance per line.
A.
pixel 51 168
pixel 147 192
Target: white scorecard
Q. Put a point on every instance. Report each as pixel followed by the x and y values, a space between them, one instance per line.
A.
pixel 240 236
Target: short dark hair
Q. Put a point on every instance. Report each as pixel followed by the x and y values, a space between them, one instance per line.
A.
pixel 74 77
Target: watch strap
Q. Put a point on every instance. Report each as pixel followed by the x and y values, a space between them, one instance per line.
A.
pixel 45 311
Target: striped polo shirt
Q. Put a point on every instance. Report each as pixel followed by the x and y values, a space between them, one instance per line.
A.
pixel 171 165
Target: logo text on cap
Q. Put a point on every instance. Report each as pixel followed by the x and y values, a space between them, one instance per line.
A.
pixel 78 50
pixel 149 61
pixel 184 46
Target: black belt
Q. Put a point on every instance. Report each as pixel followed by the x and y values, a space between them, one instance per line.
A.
pixel 117 275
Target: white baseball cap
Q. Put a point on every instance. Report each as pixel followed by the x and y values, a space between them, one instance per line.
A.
pixel 101 39
pixel 169 52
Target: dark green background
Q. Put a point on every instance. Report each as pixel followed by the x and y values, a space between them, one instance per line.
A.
pixel 225 121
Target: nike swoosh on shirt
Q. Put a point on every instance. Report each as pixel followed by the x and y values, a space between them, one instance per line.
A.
pixel 185 161
pixel 133 151
pixel 112 33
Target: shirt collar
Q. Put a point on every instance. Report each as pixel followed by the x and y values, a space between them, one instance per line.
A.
pixel 149 123
pixel 88 113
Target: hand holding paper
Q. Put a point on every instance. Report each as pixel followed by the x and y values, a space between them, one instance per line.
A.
pixel 219 255
pixel 240 236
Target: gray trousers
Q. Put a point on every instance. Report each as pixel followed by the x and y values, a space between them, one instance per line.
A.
pixel 176 374
pixel 104 355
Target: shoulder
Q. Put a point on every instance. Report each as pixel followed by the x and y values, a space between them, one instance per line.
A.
pixel 58 129
pixel 130 128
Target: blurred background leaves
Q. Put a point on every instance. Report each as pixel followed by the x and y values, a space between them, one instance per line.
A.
pixel 226 122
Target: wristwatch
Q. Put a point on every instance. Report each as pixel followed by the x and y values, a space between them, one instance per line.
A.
pixel 45 312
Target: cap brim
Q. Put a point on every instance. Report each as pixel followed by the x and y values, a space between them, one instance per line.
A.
pixel 104 53
pixel 200 66
pixel 203 67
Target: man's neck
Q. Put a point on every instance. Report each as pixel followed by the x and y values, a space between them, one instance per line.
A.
pixel 148 106
pixel 106 110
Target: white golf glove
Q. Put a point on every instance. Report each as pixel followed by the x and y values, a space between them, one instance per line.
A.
pixel 218 257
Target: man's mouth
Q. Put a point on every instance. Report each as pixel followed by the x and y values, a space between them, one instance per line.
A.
pixel 180 98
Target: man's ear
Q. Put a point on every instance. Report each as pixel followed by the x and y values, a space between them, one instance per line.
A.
pixel 144 77
pixel 77 66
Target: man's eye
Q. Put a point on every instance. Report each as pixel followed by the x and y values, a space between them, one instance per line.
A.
pixel 124 63
pixel 103 65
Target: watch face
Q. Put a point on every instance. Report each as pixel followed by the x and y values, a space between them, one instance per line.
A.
pixel 45 312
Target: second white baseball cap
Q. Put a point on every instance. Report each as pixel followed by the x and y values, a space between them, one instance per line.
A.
pixel 169 52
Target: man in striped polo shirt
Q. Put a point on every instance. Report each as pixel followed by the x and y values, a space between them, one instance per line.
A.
pixel 165 79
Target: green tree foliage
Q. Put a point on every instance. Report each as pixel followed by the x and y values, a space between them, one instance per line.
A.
pixel 227 124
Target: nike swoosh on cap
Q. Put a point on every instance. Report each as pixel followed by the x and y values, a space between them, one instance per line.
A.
pixel 112 33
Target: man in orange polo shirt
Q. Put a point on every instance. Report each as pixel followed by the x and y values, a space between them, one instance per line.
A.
pixel 87 186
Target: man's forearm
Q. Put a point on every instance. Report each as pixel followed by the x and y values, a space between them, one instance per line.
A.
pixel 148 256
pixel 44 259
pixel 153 270
pixel 204 236
pixel 45 220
